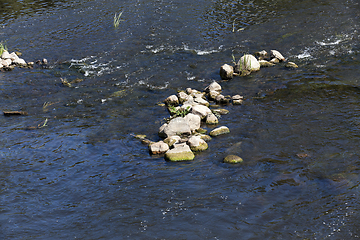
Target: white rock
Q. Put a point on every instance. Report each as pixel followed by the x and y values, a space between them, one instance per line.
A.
pixel 158 147
pixel 6 62
pixel 177 126
pixel 277 54
pixel 193 120
pixel 211 119
pixel 197 144
pixel 5 55
pixel 213 87
pixel 13 56
pixel 172 100
pixel 200 110
pixel 20 61
pixel 249 63
pixel 183 97
pixel 201 101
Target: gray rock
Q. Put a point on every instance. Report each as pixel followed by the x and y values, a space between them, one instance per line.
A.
pixel 213 94
pixel 158 147
pixel 200 110
pixel 193 120
pixel 219 131
pixel 197 144
pixel 177 126
pixel 226 72
pixel 180 153
pixel 211 119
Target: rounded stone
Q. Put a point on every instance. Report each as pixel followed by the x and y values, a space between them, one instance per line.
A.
pixel 219 131
pixel 197 144
pixel 233 159
pixel 211 119
pixel 158 147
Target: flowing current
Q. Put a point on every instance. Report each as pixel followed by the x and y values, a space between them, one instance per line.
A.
pixel 72 169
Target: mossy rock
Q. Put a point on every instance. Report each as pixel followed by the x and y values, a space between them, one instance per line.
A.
pixel 180 153
pixel 201 147
pixel 219 131
pixel 233 159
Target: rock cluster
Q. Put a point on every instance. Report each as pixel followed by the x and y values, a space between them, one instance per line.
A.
pixel 249 63
pixel 9 60
pixel 182 133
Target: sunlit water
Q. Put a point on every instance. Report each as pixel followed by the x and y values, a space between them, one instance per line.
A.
pixel 84 176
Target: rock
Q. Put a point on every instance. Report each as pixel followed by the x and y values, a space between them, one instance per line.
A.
pixel 140 136
pixel 262 55
pixel 220 111
pixel 20 62
pixel 213 94
pixel 5 55
pixel 205 137
pixel 237 99
pixel 291 65
pixel 247 63
pixel 172 100
pixel 222 99
pixel 200 110
pixel 226 72
pixel 5 62
pixel 233 159
pixel 183 97
pixel 201 101
pixel 170 141
pixel 180 153
pixel 201 131
pixel 188 91
pixel 195 94
pixel 189 101
pixel 158 148
pixel 193 120
pixel 277 54
pixel 177 126
pixel 214 86
pixel 264 63
pixel 211 119
pixel 197 144
pixel 13 56
pixel 274 60
pixel 219 131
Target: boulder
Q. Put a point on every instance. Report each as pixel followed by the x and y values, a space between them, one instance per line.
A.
pixel 177 126
pixel 20 62
pixel 193 121
pixel 5 62
pixel 211 119
pixel 219 131
pixel 200 110
pixel 5 55
pixel 181 152
pixel 226 72
pixel 158 147
pixel 247 63
pixel 197 144
pixel 213 94
pixel 233 159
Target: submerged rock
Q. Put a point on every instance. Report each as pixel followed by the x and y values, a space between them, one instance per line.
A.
pixel 197 144
pixel 291 65
pixel 226 72
pixel 180 153
pixel 233 159
pixel 219 131
pixel 264 63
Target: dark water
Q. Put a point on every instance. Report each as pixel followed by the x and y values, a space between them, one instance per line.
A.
pixel 84 176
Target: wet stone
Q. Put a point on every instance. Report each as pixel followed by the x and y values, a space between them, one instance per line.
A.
pixel 219 131
pixel 233 159
pixel 180 153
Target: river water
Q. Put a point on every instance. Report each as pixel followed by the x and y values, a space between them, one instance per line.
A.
pixel 83 175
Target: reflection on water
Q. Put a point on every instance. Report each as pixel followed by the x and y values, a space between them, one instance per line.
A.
pixel 85 176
